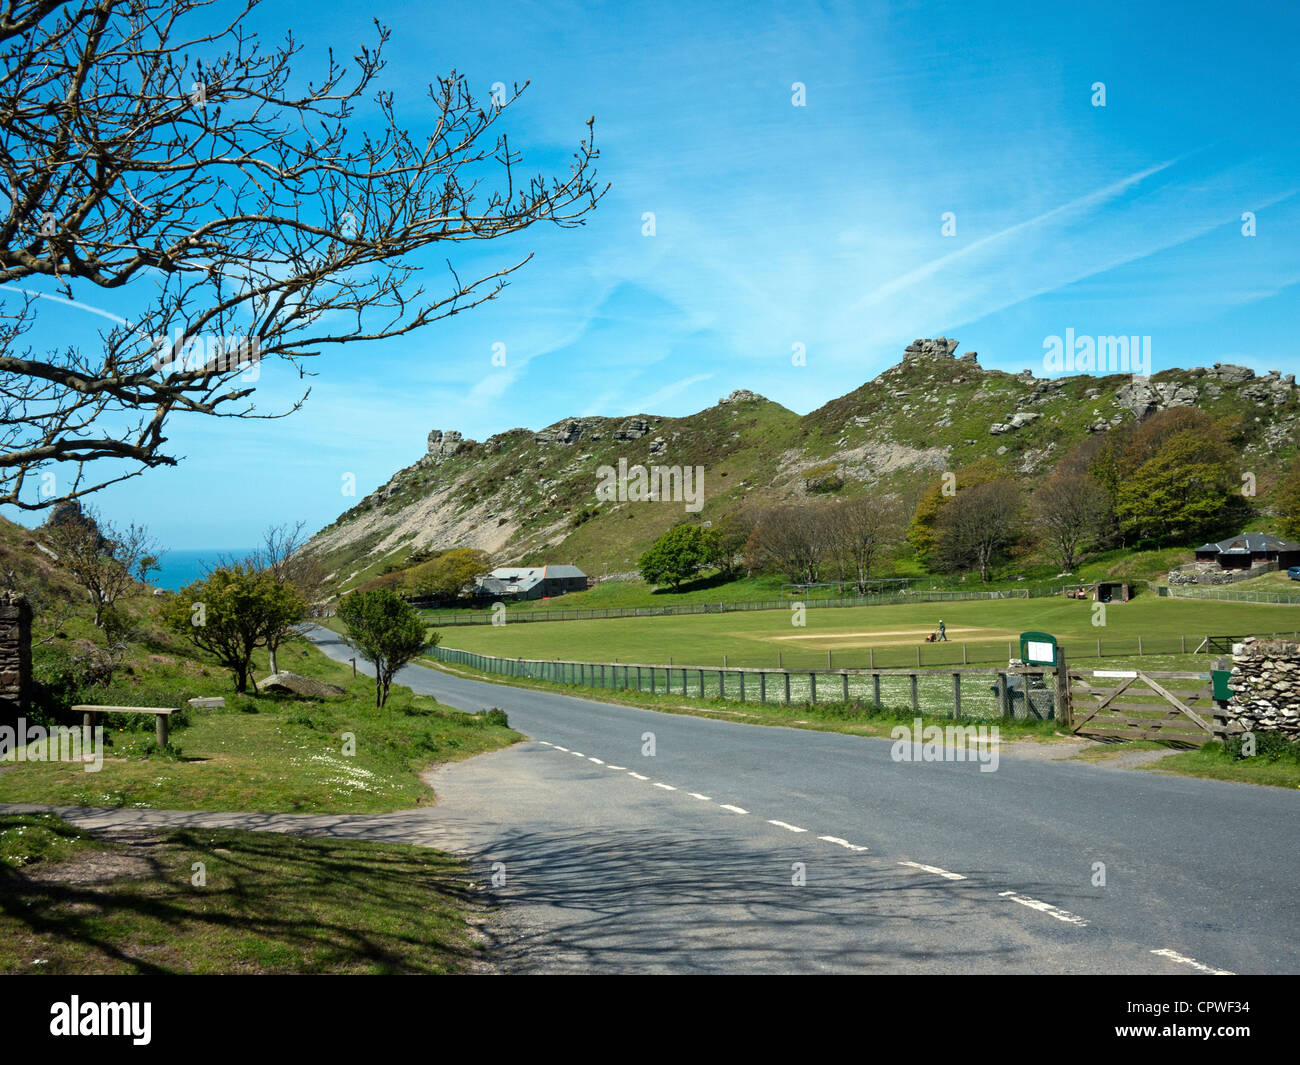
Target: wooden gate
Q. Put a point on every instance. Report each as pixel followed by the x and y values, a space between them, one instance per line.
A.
pixel 1131 704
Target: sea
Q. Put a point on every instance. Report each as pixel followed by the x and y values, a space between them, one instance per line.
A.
pixel 179 568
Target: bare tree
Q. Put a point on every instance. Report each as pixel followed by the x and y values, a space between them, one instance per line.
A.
pixel 102 559
pixel 793 539
pixel 226 196
pixel 1071 510
pixel 860 531
pixel 977 524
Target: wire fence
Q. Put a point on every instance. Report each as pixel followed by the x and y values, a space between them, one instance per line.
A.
pixel 1227 595
pixel 962 694
pixel 488 617
pixel 956 654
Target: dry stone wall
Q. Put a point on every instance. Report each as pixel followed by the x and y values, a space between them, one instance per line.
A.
pixel 1266 687
pixel 15 656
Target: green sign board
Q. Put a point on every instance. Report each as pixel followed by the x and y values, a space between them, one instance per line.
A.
pixel 1038 648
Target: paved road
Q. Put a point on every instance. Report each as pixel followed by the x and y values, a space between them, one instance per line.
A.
pixel 742 848
pixel 610 871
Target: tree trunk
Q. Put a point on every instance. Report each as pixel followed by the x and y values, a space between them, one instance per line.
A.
pixel 270 651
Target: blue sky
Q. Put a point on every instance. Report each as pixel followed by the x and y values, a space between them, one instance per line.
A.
pixel 778 225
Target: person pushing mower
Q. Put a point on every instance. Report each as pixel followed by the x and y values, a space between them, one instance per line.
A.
pixel 943 632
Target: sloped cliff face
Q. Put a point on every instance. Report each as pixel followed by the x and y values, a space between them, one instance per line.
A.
pixel 536 495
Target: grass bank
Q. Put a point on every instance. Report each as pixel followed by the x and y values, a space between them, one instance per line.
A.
pixel 269 753
pixel 74 904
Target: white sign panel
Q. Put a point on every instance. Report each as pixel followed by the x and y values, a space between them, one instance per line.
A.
pixel 1040 652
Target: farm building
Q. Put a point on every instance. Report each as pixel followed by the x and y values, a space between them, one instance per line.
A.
pixel 531 582
pixel 1250 549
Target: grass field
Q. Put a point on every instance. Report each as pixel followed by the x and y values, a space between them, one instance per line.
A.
pixel 267 903
pixel 896 632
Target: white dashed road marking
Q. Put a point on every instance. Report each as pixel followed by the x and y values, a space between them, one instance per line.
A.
pixel 935 870
pixel 1045 907
pixel 842 842
pixel 1182 959
pixel 1023 900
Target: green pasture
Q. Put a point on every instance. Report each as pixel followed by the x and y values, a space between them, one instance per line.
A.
pixel 889 636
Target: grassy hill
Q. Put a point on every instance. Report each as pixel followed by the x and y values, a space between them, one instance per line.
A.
pixel 530 497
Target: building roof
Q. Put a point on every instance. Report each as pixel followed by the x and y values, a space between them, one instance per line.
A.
pixel 507 579
pixel 1249 544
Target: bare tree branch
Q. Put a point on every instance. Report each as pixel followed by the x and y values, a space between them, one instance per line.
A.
pixel 235 206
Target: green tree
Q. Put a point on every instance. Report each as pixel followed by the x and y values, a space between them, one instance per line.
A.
pixel 387 631
pixel 1180 494
pixel 232 612
pixel 1286 501
pixel 923 530
pixel 103 559
pixel 678 555
pixel 448 574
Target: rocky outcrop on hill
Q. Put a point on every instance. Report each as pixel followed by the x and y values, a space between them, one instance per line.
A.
pixel 569 431
pixel 287 683
pixel 444 445
pixel 741 395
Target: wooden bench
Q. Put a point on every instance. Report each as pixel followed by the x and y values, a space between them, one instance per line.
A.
pixel 89 713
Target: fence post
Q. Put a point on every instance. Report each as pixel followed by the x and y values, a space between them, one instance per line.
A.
pixel 963 655
pixel 1064 712
pixel 875 688
pixel 872 660
pixel 762 687
pixel 742 685
pixel 652 680
pixel 956 696
pixel 844 674
pixel 1004 696
pixel 638 678
pixel 786 674
pixel 916 702
pixel 1184 639
pixel 918 656
pixel 812 686
pixel 778 660
pixel 829 665
pixel 1139 646
pixel 722 684
pixel 701 684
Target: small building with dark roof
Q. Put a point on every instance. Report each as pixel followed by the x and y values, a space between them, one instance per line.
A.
pixel 1250 549
pixel 531 582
